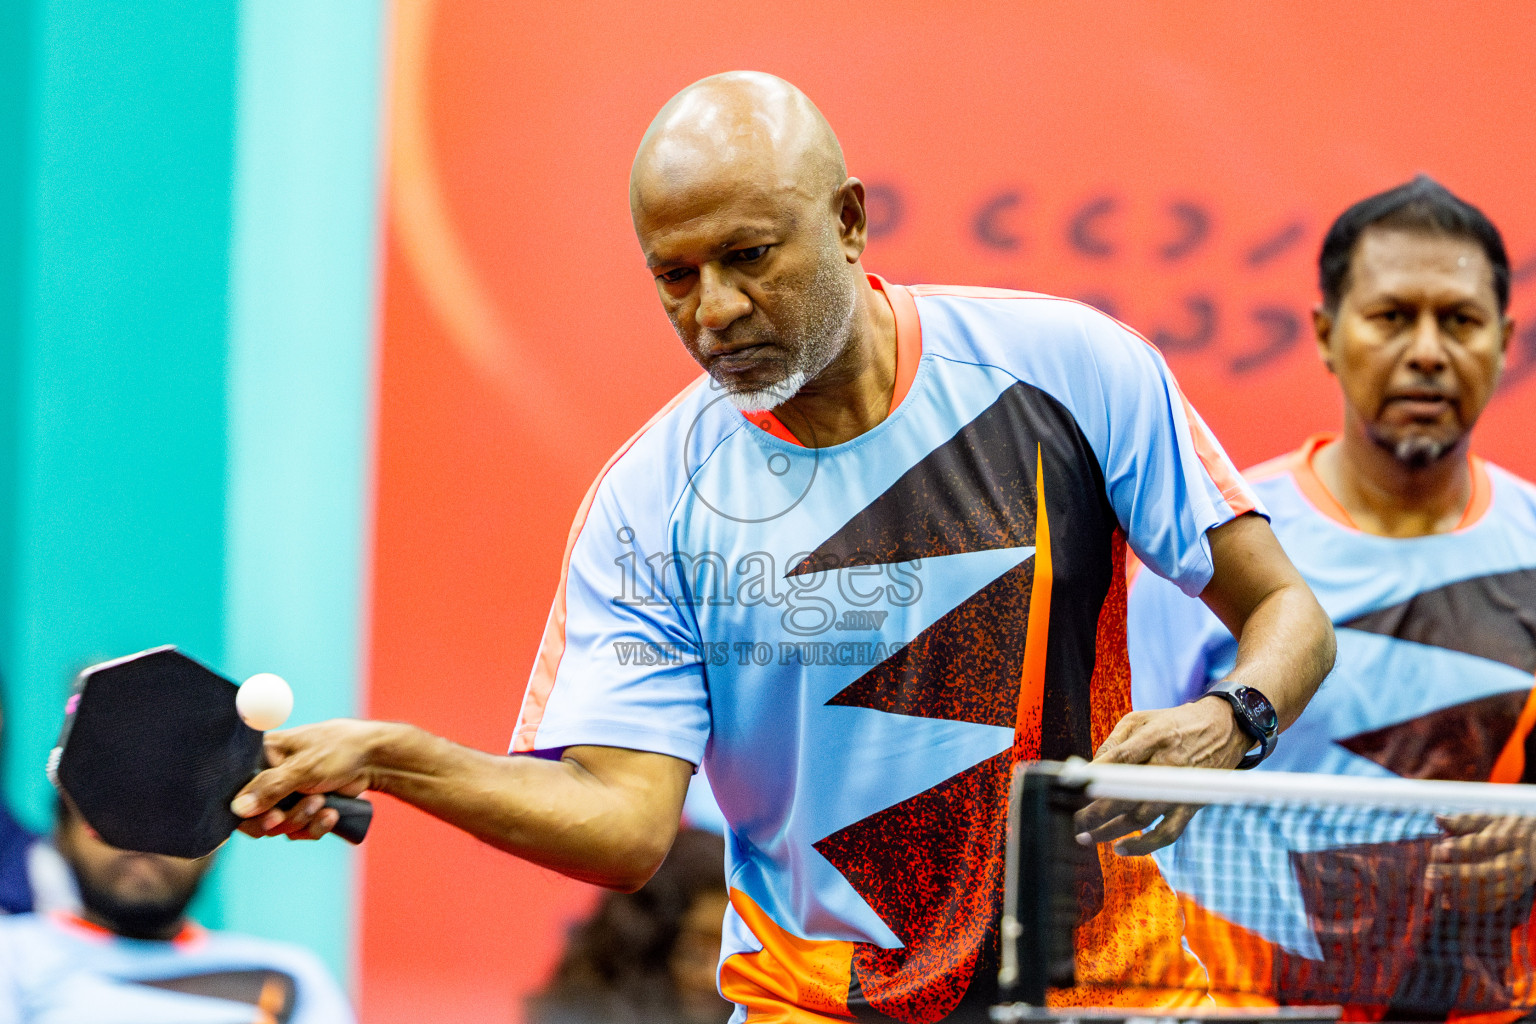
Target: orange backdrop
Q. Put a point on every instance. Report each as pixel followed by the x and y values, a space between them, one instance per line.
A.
pixel 1173 163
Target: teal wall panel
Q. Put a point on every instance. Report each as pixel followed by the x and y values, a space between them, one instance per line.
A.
pixel 16 64
pixel 187 293
pixel 302 302
pixel 118 534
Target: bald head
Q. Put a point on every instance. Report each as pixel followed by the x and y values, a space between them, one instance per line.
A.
pixel 753 231
pixel 739 129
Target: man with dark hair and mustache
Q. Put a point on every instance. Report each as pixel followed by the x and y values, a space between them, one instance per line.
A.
pixel 1423 555
pixel 132 956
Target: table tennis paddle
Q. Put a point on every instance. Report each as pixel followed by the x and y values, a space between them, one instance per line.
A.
pixel 153 750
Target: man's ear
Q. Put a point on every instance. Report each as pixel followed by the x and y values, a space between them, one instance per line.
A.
pixel 1506 335
pixel 853 219
pixel 1322 334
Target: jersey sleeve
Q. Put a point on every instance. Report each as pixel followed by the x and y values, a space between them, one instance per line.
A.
pixel 1165 474
pixel 1173 640
pixel 318 999
pixel 620 664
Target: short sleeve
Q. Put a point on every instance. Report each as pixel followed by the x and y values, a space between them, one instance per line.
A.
pixel 621 663
pixel 318 999
pixel 1175 644
pixel 1164 472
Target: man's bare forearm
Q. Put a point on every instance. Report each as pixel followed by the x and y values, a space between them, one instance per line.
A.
pixel 554 813
pixel 601 814
pixel 1285 650
pixel 1285 643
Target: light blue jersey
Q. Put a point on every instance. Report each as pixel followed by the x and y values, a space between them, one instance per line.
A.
pixel 860 641
pixel 1436 634
pixel 1433 680
pixel 59 969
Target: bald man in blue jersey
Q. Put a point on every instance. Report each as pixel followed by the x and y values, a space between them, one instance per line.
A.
pixel 860 569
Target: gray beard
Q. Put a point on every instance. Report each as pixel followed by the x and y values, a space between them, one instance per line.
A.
pixel 823 338
pixel 772 396
pixel 1417 452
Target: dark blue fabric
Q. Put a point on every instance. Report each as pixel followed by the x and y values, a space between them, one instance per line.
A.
pixel 15 889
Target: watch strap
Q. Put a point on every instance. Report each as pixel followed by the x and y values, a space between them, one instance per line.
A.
pixel 1238 696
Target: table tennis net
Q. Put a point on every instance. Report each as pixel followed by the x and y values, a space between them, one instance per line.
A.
pixel 1291 888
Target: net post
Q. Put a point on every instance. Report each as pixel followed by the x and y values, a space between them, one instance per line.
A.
pixel 1039 908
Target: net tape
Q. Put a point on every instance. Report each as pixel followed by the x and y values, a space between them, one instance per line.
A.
pixel 1413 896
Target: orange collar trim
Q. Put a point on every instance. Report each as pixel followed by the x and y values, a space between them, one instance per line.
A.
pixel 191 934
pixel 909 352
pixel 81 927
pixel 1300 464
pixel 769 422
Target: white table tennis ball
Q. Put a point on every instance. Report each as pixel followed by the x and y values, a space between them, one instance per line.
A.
pixel 264 701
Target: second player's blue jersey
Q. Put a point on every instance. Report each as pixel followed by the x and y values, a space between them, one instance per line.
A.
pixel 1433 680
pixel 59 969
pixel 1436 634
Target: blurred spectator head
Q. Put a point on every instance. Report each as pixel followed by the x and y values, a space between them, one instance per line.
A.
pixel 1422 205
pixel 648 956
pixel 136 895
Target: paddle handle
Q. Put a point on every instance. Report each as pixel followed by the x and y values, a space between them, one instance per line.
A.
pixel 356 814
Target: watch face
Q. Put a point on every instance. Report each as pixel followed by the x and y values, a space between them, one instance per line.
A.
pixel 1262 712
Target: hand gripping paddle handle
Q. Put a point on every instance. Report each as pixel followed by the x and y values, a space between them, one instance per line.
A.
pixel 356 814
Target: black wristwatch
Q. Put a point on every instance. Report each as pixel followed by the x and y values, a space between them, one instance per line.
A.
pixel 1255 716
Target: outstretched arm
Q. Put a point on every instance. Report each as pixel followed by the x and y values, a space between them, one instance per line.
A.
pixel 1285 646
pixel 600 814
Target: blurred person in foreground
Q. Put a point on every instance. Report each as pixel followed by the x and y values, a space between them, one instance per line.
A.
pixel 17 856
pixel 888 530
pixel 31 875
pixel 648 957
pixel 1424 556
pixel 132 956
